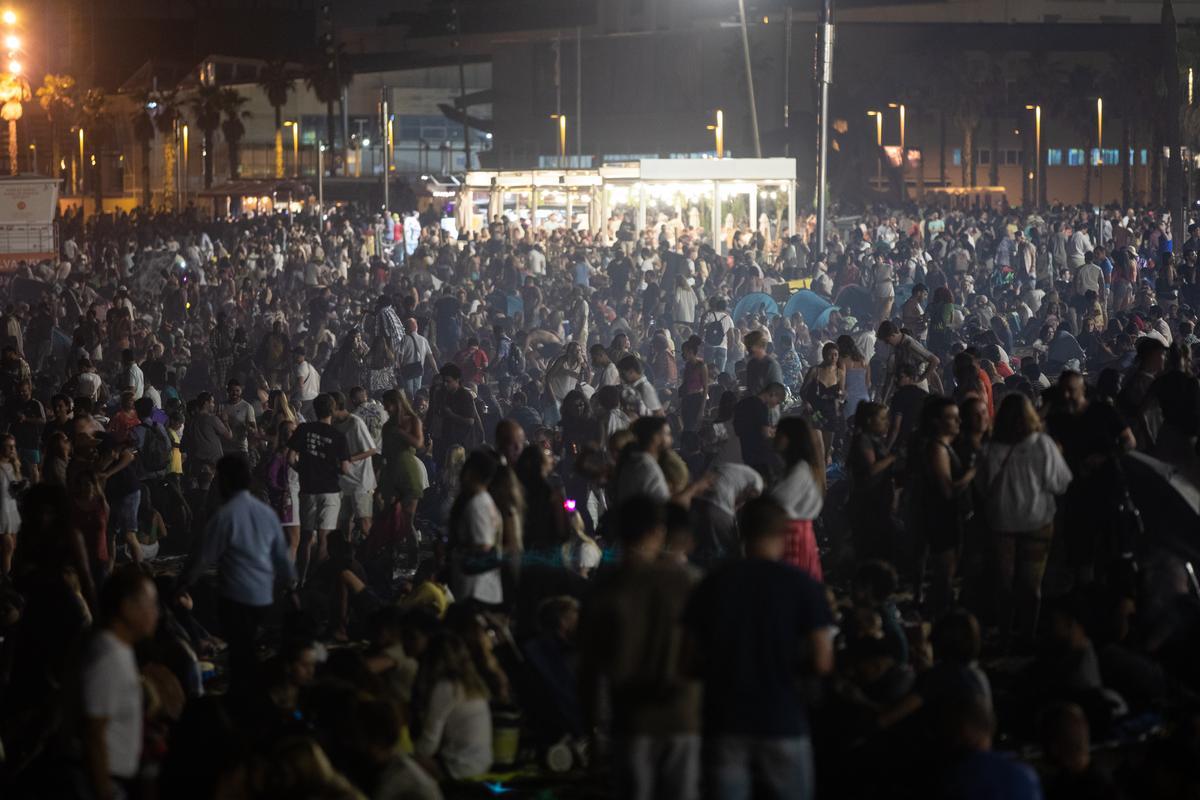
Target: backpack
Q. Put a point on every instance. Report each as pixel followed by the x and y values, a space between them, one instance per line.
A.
pixel 156 449
pixel 515 361
pixel 714 333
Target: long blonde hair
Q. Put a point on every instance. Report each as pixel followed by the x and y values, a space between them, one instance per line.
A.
pixel 449 659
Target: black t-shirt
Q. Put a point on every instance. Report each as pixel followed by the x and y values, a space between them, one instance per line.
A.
pixel 1095 432
pixel 907 402
pixel 752 620
pixel 322 450
pixel 750 416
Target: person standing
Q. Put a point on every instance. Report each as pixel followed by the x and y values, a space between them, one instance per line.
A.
pixel 306 383
pixel 240 418
pixel 755 628
pixel 112 685
pixel 630 632
pixel 358 483
pixel 321 456
pixel 245 540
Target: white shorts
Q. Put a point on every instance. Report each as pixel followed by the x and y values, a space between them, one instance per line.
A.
pixel 319 512
pixel 360 505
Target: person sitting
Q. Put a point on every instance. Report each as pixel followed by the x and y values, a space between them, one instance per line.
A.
pixel 451 703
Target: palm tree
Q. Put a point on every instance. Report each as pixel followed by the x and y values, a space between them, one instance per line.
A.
pixel 205 105
pixel 966 109
pixel 1039 80
pixel 327 81
pixel 1133 82
pixel 94 116
pixel 233 128
pixel 993 70
pixel 277 83
pixel 57 96
pixel 143 134
pixel 166 116
pixel 1076 103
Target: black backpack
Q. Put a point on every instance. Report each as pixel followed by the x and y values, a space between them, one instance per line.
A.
pixel 714 333
pixel 156 449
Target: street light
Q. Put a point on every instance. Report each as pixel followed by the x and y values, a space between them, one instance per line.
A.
pixel 14 89
pixel 9 17
pixel 719 133
pixel 878 115
pixel 562 139
pixel 295 126
pixel 1100 144
pixel 79 186
pixel 1037 137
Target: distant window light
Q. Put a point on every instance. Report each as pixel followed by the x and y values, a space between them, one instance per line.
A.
pixel 1054 157
pixel 1111 157
pixel 1075 157
pixel 1144 157
pixel 956 156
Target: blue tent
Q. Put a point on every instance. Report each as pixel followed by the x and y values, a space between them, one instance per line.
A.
pixel 814 308
pixel 756 303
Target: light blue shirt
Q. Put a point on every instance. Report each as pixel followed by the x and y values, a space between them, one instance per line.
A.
pixel 245 540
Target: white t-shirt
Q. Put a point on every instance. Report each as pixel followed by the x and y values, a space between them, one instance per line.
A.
pixel 458 729
pixel 361 476
pixel 647 396
pixel 481 527
pixel 414 349
pixel 798 493
pixel 730 481
pixel 642 475
pixel 112 691
pixel 308 381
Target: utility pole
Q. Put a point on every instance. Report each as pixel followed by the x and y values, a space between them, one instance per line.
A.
pixel 578 90
pixel 825 79
pixel 384 116
pixel 750 80
pixel 787 79
pixel 462 89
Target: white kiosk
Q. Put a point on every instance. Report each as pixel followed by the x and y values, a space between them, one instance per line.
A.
pixel 718 195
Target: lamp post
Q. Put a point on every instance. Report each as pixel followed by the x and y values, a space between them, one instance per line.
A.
pixel 562 139
pixel 1037 144
pixel 14 89
pixel 719 133
pixel 878 115
pixel 294 124
pixel 79 179
pixel 320 179
pixel 1100 144
pixel 183 185
pixel 903 157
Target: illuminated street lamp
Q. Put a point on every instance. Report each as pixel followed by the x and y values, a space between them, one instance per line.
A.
pixel 719 133
pixel 878 115
pixel 294 124
pixel 14 89
pixel 1037 143
pixel 562 139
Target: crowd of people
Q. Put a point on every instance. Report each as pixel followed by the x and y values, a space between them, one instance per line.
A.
pixel 299 506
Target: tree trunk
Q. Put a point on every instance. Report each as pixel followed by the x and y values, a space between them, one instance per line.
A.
pixel 12 147
pixel 209 153
pixel 1126 163
pixel 994 166
pixel 234 152
pixel 146 194
pixel 968 155
pixel 55 150
pixel 942 148
pixel 1170 65
pixel 169 186
pixel 1156 170
pixel 278 142
pixel 331 162
pixel 98 175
